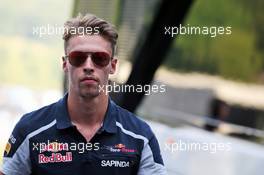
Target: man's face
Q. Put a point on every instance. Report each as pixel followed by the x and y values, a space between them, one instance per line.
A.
pixel 85 79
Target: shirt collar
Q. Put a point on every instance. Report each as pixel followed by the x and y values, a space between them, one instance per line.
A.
pixel 63 117
pixel 109 124
pixel 62 114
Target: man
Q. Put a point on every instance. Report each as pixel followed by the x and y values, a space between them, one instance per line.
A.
pixel 85 132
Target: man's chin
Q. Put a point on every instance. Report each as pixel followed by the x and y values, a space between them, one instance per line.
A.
pixel 89 94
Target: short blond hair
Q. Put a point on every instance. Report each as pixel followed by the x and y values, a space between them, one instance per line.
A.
pixel 105 29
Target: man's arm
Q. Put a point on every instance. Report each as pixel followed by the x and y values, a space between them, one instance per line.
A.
pixel 16 159
pixel 1 173
pixel 151 162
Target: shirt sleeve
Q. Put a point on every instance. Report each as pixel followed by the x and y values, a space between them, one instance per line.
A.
pixel 151 162
pixel 16 159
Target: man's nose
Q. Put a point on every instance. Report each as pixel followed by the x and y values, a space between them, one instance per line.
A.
pixel 88 65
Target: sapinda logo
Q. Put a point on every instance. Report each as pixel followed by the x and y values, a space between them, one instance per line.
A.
pixel 114 163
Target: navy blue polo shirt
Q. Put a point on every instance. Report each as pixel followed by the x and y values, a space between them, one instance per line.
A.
pixel 45 142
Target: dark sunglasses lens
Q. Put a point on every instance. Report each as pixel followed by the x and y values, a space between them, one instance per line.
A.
pixel 101 59
pixel 77 58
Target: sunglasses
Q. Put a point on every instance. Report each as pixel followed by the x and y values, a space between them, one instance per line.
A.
pixel 77 58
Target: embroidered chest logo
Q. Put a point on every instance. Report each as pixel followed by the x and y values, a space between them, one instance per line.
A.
pixel 55 157
pixel 120 148
pixel 114 163
pixel 54 148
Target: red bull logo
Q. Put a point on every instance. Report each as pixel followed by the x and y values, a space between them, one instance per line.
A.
pixel 55 157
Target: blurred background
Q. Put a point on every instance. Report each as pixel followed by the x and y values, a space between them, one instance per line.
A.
pixel 214 85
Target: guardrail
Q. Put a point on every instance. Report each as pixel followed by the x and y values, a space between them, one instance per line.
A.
pixel 174 117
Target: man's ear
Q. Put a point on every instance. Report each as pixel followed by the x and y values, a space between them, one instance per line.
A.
pixel 64 64
pixel 113 65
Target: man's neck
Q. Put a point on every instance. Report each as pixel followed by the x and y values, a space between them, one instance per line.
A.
pixel 87 111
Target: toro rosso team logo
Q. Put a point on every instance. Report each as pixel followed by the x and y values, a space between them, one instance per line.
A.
pixel 120 148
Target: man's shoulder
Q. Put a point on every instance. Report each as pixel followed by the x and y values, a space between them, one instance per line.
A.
pixel 133 123
pixel 29 125
pixel 36 119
